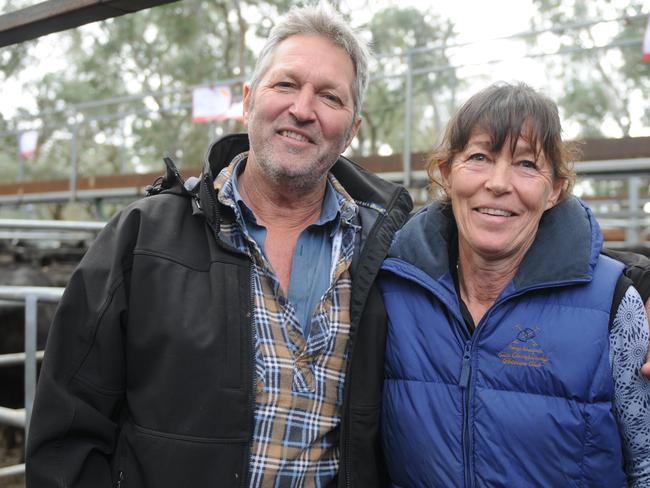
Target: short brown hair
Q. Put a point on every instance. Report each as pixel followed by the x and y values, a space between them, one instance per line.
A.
pixel 503 110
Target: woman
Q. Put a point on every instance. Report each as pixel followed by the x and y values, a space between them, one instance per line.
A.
pixel 514 346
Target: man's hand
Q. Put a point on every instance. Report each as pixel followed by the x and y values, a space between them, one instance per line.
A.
pixel 645 369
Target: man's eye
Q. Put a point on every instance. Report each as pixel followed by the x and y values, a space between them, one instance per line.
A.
pixel 283 84
pixel 330 97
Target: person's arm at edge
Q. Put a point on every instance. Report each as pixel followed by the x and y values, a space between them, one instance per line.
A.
pixel 73 426
pixel 628 331
pixel 645 369
pixel 637 269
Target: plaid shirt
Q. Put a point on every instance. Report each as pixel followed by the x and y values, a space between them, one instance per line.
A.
pixel 299 390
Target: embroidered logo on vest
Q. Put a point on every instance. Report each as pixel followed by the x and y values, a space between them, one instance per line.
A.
pixel 524 350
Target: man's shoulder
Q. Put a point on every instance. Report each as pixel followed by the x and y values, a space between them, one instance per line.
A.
pixel 637 269
pixel 159 205
pixel 163 213
pixel 367 187
pixel 628 258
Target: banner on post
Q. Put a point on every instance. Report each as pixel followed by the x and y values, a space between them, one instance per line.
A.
pixel 236 111
pixel 27 142
pixel 210 103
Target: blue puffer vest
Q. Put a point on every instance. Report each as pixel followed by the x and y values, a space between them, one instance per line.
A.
pixel 527 399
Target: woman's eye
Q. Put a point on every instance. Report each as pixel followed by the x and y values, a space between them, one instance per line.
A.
pixel 478 157
pixel 528 164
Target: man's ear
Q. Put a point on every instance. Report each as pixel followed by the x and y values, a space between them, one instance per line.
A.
pixel 353 131
pixel 246 101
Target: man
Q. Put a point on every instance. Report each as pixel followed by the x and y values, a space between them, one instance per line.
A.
pixel 211 336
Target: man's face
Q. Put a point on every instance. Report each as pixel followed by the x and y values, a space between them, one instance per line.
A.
pixel 300 118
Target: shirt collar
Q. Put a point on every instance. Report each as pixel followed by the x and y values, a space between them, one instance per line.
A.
pixel 338 205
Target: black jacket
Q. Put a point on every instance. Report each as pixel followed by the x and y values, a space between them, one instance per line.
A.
pixel 148 373
pixel 637 269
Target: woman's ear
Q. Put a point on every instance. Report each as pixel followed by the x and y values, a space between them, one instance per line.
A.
pixel 554 197
pixel 445 171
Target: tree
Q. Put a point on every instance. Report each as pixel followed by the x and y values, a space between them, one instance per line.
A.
pixel 601 86
pixel 146 63
pixel 396 31
pixel 160 52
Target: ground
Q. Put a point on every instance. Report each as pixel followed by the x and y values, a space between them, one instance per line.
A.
pixel 9 457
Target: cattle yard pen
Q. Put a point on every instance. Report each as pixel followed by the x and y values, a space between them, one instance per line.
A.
pixel 29 296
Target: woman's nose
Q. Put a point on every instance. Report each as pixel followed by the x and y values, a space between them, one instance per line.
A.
pixel 499 179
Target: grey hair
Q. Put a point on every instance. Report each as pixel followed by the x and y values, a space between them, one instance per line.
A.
pixel 324 21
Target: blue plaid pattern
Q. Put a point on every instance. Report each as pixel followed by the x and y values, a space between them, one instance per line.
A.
pixel 299 381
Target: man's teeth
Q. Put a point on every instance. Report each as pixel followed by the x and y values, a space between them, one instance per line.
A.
pixel 293 135
pixel 495 211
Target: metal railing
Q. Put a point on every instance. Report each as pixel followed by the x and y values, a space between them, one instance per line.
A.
pixel 80 114
pixel 60 230
pixel 30 296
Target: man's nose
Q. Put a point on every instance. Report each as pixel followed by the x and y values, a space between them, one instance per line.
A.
pixel 302 107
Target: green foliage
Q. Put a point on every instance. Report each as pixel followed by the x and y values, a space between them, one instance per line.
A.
pixel 396 31
pixel 600 85
pixel 162 52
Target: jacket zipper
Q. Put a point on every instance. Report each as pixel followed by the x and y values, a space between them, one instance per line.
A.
pixel 465 374
pixel 251 403
pixel 120 478
pixel 345 454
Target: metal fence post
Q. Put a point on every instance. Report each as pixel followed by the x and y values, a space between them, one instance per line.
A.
pixel 74 163
pixel 31 312
pixel 408 108
pixel 632 233
pixel 20 171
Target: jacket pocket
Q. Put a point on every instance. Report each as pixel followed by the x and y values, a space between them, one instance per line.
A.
pixel 159 459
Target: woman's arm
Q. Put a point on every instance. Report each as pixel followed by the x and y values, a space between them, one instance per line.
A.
pixel 628 346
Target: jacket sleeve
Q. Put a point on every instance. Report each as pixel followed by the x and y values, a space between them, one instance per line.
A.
pixel 637 269
pixel 81 386
pixel 628 344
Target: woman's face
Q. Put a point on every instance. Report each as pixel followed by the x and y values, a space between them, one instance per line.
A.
pixel 498 198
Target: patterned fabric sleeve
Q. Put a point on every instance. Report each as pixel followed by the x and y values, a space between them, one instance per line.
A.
pixel 628 347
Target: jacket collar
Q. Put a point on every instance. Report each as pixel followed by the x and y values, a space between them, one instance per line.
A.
pixel 365 188
pixel 565 249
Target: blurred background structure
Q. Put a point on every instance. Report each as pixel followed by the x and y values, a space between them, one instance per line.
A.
pixel 87 113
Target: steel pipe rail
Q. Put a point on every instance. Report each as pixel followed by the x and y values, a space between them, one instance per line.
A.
pixel 30 295
pixel 65 196
pixel 46 236
pixel 58 225
pixel 16 358
pixel 10 471
pixel 13 416
pixel 47 293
